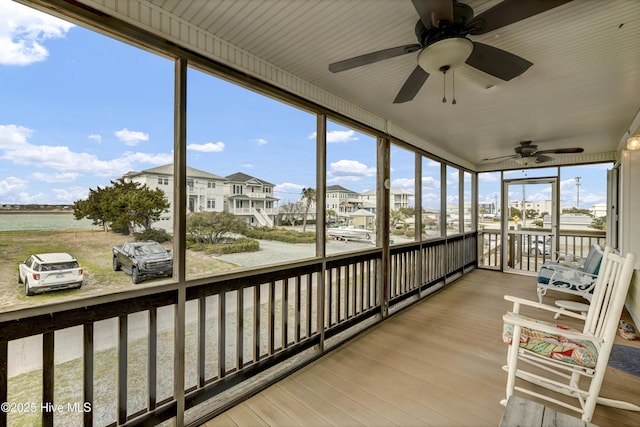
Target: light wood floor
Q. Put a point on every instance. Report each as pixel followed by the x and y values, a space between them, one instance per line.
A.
pixel 437 363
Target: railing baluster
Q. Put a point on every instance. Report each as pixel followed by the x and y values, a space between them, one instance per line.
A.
pixel 152 359
pixel 256 323
pixel 4 378
pixel 329 292
pixel 122 367
pixel 240 329
pixel 87 386
pixel 285 313
pixel 347 291
pixel 272 315
pixel 47 377
pixel 310 303
pixel 202 338
pixel 297 308
pixel 222 338
pixel 339 293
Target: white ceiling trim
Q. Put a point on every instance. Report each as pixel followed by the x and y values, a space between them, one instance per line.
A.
pixel 611 156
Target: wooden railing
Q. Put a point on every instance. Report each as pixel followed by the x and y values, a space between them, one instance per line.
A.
pixel 571 242
pixel 241 332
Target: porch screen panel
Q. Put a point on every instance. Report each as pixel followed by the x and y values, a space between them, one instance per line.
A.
pixel 454 217
pixel 583 213
pixel 488 211
pixel 431 198
pixel 350 190
pixel 250 178
pixel 402 208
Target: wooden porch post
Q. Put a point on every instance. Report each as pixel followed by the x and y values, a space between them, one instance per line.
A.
pixel 383 184
pixel 180 229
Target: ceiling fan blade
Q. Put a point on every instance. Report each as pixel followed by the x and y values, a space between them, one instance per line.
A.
pixel 372 57
pixel 510 11
pixel 497 62
pixel 574 150
pixel 511 156
pixel 432 11
pixel 541 158
pixel 412 86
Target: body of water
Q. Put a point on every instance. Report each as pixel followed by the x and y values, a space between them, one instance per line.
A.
pixel 42 221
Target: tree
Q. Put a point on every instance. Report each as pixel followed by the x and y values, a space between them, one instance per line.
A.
pixel 309 196
pixel 395 216
pixel 291 211
pixel 599 223
pixel 92 207
pixel 122 206
pixel 211 227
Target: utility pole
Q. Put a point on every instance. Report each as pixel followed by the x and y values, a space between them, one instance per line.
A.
pixel 578 179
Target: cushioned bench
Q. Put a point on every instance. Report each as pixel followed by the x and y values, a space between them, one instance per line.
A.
pixel 577 279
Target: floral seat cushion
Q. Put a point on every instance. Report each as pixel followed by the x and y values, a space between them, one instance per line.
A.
pixel 576 352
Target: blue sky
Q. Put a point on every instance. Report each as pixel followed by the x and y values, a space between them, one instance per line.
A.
pixel 79 109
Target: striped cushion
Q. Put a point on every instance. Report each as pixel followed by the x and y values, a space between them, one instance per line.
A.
pixel 576 352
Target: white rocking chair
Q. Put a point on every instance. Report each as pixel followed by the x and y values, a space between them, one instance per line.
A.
pixel 561 356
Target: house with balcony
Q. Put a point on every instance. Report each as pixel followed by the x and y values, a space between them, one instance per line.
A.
pixel 399 198
pixel 251 198
pixel 342 200
pixel 403 333
pixel 205 191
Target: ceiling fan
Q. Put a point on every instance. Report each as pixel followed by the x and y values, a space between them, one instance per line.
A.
pixel 443 44
pixel 527 153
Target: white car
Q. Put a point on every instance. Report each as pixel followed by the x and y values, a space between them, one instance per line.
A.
pixel 48 272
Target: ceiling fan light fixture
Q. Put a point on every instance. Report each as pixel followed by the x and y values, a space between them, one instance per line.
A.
pixel 633 142
pixel 525 161
pixel 451 52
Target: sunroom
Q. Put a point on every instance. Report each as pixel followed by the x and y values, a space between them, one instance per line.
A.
pixel 495 148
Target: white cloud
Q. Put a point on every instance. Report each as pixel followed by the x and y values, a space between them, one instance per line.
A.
pixel 404 183
pixel 338 136
pixel 23 31
pixel 68 195
pixel 289 187
pixel 55 177
pixel 430 182
pixel 14 147
pixel 131 137
pixel 95 137
pixel 12 136
pixel 209 147
pixel 261 141
pixel 350 167
pixel 12 185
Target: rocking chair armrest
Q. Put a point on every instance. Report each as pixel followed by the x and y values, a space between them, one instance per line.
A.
pixel 516 320
pixel 517 302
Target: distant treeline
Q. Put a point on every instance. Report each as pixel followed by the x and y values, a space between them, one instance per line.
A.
pixel 35 207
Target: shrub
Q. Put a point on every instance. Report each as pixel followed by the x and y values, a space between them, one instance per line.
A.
pixel 243 244
pixel 281 235
pixel 156 234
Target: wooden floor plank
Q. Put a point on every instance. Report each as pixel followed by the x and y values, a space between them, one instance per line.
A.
pixel 302 414
pixel 436 363
pixel 386 406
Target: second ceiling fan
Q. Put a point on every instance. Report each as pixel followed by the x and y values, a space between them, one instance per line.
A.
pixel 443 44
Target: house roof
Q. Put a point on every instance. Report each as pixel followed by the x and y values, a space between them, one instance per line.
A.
pixel 338 189
pixel 168 170
pixel 244 178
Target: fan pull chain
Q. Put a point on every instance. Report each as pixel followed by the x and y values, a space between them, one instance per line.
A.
pixel 444 86
pixel 453 78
